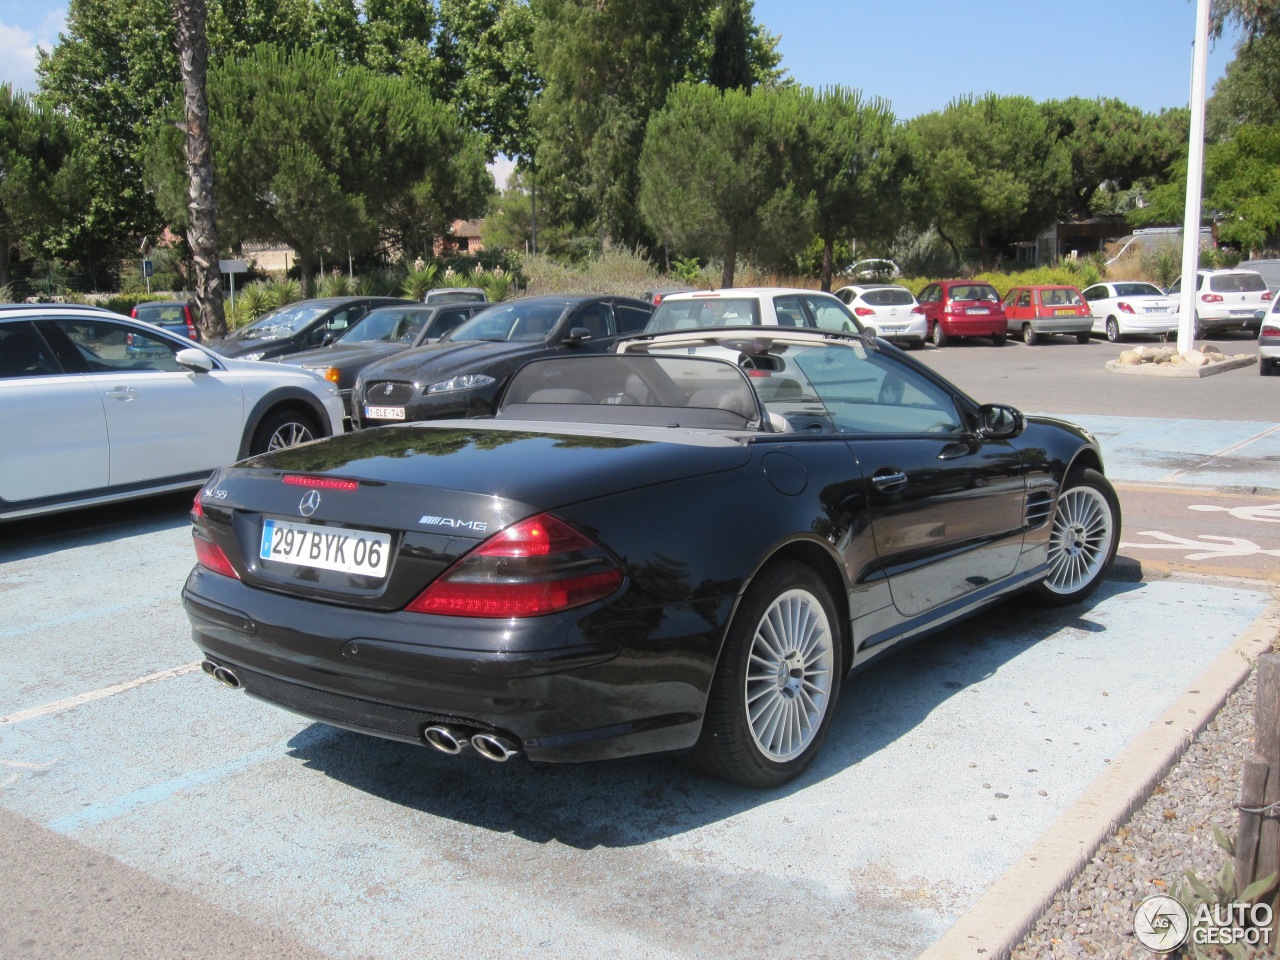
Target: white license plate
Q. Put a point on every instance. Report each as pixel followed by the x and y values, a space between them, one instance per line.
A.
pixel 1242 313
pixel 893 328
pixel 977 310
pixel 384 413
pixel 1156 309
pixel 325 548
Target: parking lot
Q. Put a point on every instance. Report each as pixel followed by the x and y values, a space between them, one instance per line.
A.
pixel 233 814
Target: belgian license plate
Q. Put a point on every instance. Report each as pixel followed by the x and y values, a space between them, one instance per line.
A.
pixel 325 548
pixel 977 310
pixel 1157 309
pixel 384 413
pixel 893 328
pixel 1241 313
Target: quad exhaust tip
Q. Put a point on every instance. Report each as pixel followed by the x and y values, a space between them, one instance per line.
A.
pixel 452 740
pixel 224 675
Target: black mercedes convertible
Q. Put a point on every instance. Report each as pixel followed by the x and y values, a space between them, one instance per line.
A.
pixel 684 545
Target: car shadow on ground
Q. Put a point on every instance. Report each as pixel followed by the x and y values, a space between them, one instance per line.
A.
pixel 51 533
pixel 635 801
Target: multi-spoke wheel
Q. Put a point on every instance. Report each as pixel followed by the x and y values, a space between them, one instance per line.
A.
pixel 938 336
pixel 284 429
pixel 1113 330
pixel 1083 541
pixel 1029 335
pixel 776 685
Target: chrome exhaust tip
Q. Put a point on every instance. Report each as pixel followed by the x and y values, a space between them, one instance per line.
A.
pixel 227 678
pixel 493 747
pixel 209 667
pixel 443 739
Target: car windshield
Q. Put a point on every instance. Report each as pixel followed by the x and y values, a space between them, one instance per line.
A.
pixel 511 321
pixel 974 291
pixel 1237 283
pixel 888 297
pixel 388 325
pixel 283 322
pixel 168 313
pixel 1138 290
pixel 704 312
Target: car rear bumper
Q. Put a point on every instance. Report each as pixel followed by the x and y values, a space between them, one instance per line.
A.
pixel 562 697
pixel 1052 325
pixel 983 325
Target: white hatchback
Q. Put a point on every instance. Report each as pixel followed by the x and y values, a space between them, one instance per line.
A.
pixel 1227 300
pixel 1123 308
pixel 100 408
pixel 887 310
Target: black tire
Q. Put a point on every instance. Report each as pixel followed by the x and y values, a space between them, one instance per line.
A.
pixel 790 695
pixel 998 340
pixel 1029 335
pixel 1197 331
pixel 283 428
pixel 1113 330
pixel 1082 337
pixel 938 336
pixel 1265 366
pixel 1083 539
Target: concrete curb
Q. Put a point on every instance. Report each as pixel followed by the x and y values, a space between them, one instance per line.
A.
pixel 1169 370
pixel 1006 913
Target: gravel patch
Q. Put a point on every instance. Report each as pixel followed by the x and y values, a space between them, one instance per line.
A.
pixel 1171 833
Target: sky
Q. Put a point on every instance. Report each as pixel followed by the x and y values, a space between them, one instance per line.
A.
pixel 916 54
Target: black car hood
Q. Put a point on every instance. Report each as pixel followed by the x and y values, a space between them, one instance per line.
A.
pixel 341 354
pixel 439 361
pixel 238 348
pixel 542 469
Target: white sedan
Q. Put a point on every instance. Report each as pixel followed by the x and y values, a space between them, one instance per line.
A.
pixel 1121 308
pixel 100 408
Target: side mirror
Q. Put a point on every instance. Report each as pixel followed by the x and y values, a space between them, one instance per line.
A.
pixel 328 339
pixel 999 421
pixel 577 335
pixel 197 361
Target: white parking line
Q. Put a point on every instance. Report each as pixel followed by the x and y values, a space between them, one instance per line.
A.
pixel 1221 453
pixel 83 698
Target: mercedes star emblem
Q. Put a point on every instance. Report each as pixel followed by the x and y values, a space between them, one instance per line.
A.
pixel 310 503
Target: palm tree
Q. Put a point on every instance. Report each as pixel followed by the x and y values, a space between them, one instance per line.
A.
pixel 202 235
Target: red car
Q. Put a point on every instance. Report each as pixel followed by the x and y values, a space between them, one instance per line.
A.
pixel 963 308
pixel 1036 312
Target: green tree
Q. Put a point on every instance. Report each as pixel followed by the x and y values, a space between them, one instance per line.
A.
pixel 730 67
pixel 847 159
pixel 317 153
pixel 1112 145
pixel 508 225
pixel 1249 92
pixel 715 174
pixel 990 171
pixel 38 175
pixel 607 68
pixel 112 70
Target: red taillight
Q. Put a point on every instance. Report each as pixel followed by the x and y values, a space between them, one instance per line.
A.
pixel 208 554
pixel 1269 330
pixel 320 483
pixel 864 311
pixel 1267 295
pixel 919 310
pixel 134 313
pixel 1211 297
pixel 1124 307
pixel 657 299
pixel 758 373
pixel 191 324
pixel 539 566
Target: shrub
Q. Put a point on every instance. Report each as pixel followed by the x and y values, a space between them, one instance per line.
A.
pixel 335 284
pixel 283 291
pixel 6 293
pixel 420 278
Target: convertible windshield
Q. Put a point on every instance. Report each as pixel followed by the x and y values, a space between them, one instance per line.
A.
pixel 279 323
pixel 514 321
pixel 388 325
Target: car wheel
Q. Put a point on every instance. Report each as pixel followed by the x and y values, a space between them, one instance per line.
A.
pixel 1113 330
pixel 1197 331
pixel 998 339
pixel 938 336
pixel 1082 338
pixel 1083 541
pixel 1029 336
pixel 285 428
pixel 775 688
pixel 1265 366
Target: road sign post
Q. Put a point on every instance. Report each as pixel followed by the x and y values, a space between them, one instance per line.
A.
pixel 231 268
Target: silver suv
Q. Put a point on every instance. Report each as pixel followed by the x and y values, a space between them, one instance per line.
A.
pixel 1227 300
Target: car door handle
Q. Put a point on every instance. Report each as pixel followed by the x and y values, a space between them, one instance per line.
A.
pixel 888 480
pixel 122 393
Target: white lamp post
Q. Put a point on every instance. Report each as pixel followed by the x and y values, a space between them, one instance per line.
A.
pixel 1195 181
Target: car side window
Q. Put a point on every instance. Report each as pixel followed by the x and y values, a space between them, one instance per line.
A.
pixel 110 347
pixel 631 319
pixel 830 314
pixel 1010 297
pixel 1095 293
pixel 930 293
pixel 1024 299
pixel 1177 286
pixel 448 320
pixel 23 352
